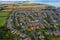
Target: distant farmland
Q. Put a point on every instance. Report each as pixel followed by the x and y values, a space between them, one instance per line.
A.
pixel 9 8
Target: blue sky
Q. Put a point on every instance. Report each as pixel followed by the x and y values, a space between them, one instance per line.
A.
pixel 49 2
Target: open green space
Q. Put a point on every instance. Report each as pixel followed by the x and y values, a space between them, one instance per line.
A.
pixel 2 21
pixel 4 13
pixel 55 38
pixel 49 37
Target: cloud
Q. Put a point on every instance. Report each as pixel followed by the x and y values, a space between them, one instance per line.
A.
pixel 13 0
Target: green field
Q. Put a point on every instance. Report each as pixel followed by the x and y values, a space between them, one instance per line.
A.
pixel 4 13
pixel 3 19
pixel 51 37
pixel 55 38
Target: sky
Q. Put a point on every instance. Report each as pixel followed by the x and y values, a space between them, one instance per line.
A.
pixel 32 0
pixel 49 2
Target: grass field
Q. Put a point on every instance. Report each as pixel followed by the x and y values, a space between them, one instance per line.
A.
pixel 3 19
pixel 55 38
pixel 4 13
